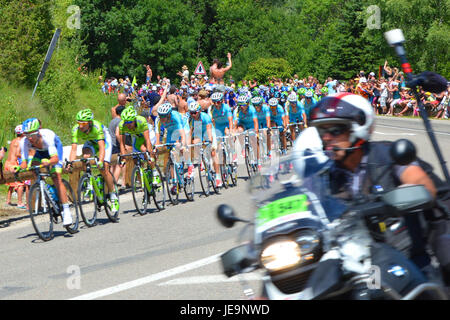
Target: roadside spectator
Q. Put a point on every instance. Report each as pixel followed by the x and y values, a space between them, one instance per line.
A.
pixel 115 140
pixel 14 160
pixel 149 73
pixel 184 73
pixel 217 71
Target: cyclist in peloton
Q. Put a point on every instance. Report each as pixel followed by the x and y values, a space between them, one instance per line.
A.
pixel 246 120
pixel 263 117
pixel 170 124
pixel 48 151
pixel 97 141
pixel 308 103
pixel 137 127
pixel 296 114
pixel 278 119
pixel 202 127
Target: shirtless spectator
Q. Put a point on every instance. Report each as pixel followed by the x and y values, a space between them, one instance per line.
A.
pixel 217 71
pixel 204 101
pixel 149 73
pixel 172 97
pixel 14 160
pixel 122 101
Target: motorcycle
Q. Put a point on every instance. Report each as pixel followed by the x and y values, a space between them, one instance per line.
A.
pixel 313 246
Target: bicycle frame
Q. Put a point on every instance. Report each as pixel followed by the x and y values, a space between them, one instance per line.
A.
pixel 138 157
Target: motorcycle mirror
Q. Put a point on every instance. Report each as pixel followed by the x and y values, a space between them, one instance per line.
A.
pixel 403 152
pixel 226 216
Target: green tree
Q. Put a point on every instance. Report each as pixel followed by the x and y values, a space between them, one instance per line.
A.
pixel 263 68
pixel 24 38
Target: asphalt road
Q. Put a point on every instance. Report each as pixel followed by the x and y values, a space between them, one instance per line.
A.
pixel 167 255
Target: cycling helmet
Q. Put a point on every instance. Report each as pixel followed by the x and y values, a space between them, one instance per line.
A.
pixel 19 129
pixel 347 108
pixel 308 94
pixel 292 98
pixel 255 93
pixel 324 90
pixel 277 94
pixel 301 91
pixel 30 125
pixel 165 109
pixel 257 101
pixel 128 114
pixel 242 100
pixel 273 102
pixel 193 107
pixel 85 115
pixel 217 96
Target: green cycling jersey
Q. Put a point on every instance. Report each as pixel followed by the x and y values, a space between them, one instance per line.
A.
pixel 95 134
pixel 139 129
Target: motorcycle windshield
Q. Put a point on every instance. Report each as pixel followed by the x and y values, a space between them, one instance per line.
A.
pixel 293 193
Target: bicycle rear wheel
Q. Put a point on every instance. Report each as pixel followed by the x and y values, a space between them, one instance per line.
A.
pixel 248 162
pixel 140 195
pixel 87 201
pixel 73 206
pixel 40 213
pixel 113 216
pixel 158 191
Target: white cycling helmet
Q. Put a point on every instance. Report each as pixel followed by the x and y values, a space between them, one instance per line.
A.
pixel 347 108
pixel 164 109
pixel 256 101
pixel 19 129
pixel 243 99
pixel 217 96
pixel 308 94
pixel 273 102
pixel 292 98
pixel 194 107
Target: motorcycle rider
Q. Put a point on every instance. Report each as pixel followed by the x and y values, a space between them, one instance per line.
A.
pixel 345 122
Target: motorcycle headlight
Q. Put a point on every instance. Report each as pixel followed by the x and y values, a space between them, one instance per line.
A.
pixel 281 255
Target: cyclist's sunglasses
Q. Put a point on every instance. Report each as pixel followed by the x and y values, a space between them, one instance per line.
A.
pixel 334 130
pixel 31 134
pixel 129 122
pixel 83 123
pixel 194 112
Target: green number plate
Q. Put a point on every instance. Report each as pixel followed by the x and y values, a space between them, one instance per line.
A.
pixel 282 207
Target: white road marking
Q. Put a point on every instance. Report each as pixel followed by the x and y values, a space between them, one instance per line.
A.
pixel 395 134
pixel 148 279
pixel 411 129
pixel 211 279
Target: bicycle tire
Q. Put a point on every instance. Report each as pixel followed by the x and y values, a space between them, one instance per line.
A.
pixel 170 183
pixel 159 191
pixel 73 206
pixel 203 177
pixel 247 162
pixel 113 217
pixel 224 171
pixel 37 214
pixel 232 172
pixel 85 192
pixel 141 201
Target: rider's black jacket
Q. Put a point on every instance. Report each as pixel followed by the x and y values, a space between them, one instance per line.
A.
pixel 379 174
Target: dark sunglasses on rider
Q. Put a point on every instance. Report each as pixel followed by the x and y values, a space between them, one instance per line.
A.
pixel 31 134
pixel 334 130
pixel 129 122
pixel 194 112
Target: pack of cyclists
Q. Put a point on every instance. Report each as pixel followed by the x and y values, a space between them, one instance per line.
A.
pixel 182 122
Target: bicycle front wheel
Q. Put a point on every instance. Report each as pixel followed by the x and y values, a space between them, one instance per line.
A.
pixel 87 201
pixel 172 186
pixel 40 213
pixel 113 215
pixel 140 195
pixel 73 206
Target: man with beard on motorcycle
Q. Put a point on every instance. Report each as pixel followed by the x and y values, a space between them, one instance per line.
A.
pixel 345 122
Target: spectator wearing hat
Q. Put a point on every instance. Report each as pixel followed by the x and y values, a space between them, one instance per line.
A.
pixel 184 73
